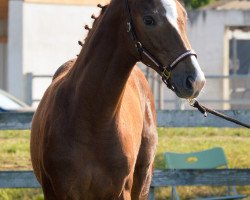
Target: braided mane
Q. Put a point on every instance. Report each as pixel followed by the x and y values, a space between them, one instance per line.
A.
pixel 94 25
pixel 66 67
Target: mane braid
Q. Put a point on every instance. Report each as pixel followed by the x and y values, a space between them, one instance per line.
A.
pixel 72 70
pixel 94 25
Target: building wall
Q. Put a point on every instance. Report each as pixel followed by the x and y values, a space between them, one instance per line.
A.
pixel 15 49
pixel 41 38
pixel 208 34
pixel 51 34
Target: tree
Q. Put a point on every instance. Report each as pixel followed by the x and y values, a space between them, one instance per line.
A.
pixel 193 4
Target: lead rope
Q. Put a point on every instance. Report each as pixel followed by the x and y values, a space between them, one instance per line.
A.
pixel 194 103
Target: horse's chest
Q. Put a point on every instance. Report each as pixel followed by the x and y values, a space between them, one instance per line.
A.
pixel 117 151
pixel 130 118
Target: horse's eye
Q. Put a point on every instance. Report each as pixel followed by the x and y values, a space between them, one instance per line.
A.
pixel 148 20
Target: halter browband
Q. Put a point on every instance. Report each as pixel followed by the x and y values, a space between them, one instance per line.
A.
pixel 165 70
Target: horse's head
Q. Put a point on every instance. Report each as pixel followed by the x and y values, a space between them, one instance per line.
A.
pixel 160 26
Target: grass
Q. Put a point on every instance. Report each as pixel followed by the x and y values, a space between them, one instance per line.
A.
pixel 21 194
pixel 14 155
pixel 235 142
pixel 14 150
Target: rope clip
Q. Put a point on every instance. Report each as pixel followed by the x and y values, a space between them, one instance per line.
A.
pixel 194 103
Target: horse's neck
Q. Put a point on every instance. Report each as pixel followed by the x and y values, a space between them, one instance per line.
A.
pixel 103 68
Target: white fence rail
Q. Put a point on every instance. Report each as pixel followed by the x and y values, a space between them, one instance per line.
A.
pixel 161 178
pixel 172 118
pixel 238 85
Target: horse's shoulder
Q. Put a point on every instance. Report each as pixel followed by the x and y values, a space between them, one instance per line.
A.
pixel 138 78
pixel 144 89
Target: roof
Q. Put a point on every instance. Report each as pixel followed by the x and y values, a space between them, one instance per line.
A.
pixel 4 4
pixel 229 5
pixel 77 2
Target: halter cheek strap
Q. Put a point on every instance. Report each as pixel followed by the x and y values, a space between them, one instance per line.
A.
pixel 165 71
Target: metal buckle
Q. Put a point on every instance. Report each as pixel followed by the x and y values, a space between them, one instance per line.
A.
pixel 166 74
pixel 192 102
pixel 128 27
pixel 138 45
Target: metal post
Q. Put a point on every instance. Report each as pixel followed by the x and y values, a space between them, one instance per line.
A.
pixel 235 56
pixel 160 95
pixel 153 85
pixel 147 73
pixel 28 88
pixel 151 193
pixel 177 103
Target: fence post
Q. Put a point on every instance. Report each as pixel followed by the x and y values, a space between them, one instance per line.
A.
pixel 28 88
pixel 160 95
pixel 151 193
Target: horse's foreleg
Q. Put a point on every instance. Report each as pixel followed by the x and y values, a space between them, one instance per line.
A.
pixel 126 192
pixel 144 165
pixel 142 180
pixel 48 191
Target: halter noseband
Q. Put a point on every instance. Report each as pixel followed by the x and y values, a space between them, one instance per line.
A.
pixel 165 70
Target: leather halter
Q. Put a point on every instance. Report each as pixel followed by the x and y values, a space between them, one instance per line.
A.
pixel 164 70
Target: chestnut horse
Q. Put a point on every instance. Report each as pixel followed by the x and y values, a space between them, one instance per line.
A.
pixel 94 133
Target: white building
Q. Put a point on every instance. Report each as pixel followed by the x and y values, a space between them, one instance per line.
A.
pixel 43 34
pixel 220 33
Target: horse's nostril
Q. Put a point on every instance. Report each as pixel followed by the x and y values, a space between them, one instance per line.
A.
pixel 189 82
